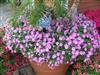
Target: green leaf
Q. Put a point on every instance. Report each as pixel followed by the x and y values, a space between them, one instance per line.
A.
pixel 14 47
pixel 92 72
pixel 80 30
pixel 1 51
pixel 67 57
pixel 1 34
pixel 87 40
pixel 76 73
pixel 59 9
pixel 53 61
pixel 88 47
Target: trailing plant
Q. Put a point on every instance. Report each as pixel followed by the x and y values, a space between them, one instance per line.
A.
pixel 92 68
pixel 9 62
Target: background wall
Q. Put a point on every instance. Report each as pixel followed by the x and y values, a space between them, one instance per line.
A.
pixel 87 4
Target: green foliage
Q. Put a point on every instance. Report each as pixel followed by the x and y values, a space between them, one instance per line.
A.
pixel 36 12
pixel 1 51
pixel 2 68
pixel 18 10
pixel 76 73
pixel 1 35
pixel 92 72
pixel 67 57
pixel 60 9
pixel 87 40
pixel 37 9
pixel 14 23
pixel 3 1
pixel 89 47
pixel 80 30
pixel 11 2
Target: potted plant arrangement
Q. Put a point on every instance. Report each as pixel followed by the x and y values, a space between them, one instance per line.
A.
pixel 60 42
pixel 47 49
pixel 50 50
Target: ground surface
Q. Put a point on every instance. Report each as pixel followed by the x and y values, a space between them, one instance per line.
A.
pixel 5 13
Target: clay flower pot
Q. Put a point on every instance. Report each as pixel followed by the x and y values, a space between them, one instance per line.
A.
pixel 43 69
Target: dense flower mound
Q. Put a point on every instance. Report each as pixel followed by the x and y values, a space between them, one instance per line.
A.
pixel 37 45
pixel 61 43
pixel 86 39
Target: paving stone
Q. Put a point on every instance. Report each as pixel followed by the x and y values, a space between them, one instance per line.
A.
pixel 25 70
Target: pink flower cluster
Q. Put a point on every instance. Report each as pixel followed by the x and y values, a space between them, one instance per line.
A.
pixel 60 44
pixel 85 38
pixel 37 45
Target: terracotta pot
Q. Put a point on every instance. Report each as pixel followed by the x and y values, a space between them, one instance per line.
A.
pixel 43 69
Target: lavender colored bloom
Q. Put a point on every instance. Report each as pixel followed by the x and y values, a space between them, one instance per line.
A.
pixel 21 46
pixel 57 43
pixel 37 44
pixel 58 54
pixel 65 32
pixel 54 56
pixel 69 42
pixel 27 37
pixel 61 61
pixel 82 53
pixel 87 59
pixel 58 58
pixel 73 48
pixel 60 44
pixel 26 22
pixel 75 41
pixel 48 46
pixel 62 38
pixel 66 46
pixel 74 34
pixel 9 47
pixel 59 29
pixel 63 53
pixel 47 49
